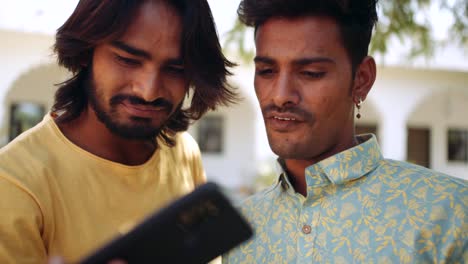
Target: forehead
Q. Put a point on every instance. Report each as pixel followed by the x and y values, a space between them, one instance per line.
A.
pixel 156 24
pixel 297 37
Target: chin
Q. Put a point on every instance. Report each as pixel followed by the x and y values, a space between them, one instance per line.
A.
pixel 287 149
pixel 133 130
pixel 285 152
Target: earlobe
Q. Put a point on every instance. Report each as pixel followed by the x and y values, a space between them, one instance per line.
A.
pixel 365 78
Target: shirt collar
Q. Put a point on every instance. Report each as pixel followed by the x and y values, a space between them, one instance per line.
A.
pixel 343 167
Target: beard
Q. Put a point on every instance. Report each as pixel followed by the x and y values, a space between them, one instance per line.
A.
pixel 137 128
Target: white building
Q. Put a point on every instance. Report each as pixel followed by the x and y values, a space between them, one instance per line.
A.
pixel 419 112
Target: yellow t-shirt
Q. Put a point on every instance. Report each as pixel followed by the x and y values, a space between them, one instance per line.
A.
pixel 58 199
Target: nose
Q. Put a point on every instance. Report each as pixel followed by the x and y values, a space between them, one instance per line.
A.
pixel 149 86
pixel 285 91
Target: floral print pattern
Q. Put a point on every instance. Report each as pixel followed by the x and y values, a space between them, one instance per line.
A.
pixel 360 208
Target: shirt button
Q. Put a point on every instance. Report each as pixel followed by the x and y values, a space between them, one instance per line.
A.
pixel 306 229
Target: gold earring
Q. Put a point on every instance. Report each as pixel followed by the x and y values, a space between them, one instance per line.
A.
pixel 358 106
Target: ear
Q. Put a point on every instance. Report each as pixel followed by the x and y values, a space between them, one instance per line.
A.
pixel 364 79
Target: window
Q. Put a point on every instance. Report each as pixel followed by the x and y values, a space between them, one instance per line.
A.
pixel 210 134
pixel 23 116
pixel 458 145
pixel 418 146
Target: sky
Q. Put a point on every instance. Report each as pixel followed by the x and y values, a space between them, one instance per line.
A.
pixel 45 16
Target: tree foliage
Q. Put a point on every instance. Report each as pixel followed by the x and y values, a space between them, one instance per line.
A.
pixel 409 21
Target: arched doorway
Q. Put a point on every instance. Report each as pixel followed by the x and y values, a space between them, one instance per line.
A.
pixel 29 98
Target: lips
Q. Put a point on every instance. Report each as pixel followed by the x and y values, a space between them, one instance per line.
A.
pixel 282 122
pixel 286 119
pixel 144 111
pixel 284 116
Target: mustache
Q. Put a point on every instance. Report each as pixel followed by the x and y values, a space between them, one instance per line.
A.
pixel 158 103
pixel 294 110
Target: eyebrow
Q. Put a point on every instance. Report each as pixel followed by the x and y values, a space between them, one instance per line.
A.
pixel 299 62
pixel 266 60
pixel 131 50
pixel 175 62
pixel 307 61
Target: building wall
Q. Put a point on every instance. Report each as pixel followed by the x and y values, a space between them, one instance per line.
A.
pixel 443 110
pixel 236 164
pixel 23 54
pixel 20 52
pixel 435 99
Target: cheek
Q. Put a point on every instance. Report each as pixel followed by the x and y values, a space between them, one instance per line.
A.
pixel 335 109
pixel 327 106
pixel 261 91
pixel 177 87
pixel 108 77
pixel 331 94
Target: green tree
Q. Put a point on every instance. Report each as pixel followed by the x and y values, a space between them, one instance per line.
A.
pixel 409 21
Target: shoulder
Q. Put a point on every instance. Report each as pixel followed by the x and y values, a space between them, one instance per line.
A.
pixel 418 174
pixel 184 158
pixel 185 141
pixel 438 193
pixel 27 155
pixel 29 145
pixel 261 200
pixel 185 145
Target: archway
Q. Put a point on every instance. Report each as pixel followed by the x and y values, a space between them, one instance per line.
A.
pixel 29 98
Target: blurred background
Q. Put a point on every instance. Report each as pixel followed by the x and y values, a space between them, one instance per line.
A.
pixel 418 106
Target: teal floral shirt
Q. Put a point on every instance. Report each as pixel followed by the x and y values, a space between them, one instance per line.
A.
pixel 360 208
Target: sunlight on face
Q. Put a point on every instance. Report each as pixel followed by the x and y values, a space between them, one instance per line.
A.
pixel 138 81
pixel 303 81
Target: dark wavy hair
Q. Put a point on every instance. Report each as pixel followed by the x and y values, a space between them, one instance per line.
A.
pixel 96 22
pixel 356 18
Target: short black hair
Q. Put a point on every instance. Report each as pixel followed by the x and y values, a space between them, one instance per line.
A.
pixel 356 18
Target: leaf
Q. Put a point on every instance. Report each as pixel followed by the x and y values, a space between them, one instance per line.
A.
pixel 407 21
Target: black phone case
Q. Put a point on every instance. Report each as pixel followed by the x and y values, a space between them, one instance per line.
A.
pixel 194 229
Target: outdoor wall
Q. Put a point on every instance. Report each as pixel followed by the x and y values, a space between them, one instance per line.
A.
pixel 401 96
pixel 441 111
pixel 235 166
pixel 20 53
pixel 34 86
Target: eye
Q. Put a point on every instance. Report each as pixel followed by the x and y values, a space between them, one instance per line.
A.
pixel 313 75
pixel 178 70
pixel 127 61
pixel 264 72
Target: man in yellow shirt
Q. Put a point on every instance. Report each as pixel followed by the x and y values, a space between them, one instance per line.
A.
pixel 113 148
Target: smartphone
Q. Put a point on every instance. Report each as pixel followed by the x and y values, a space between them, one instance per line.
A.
pixel 196 228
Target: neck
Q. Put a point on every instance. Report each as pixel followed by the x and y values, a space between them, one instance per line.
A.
pixel 90 134
pixel 296 167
